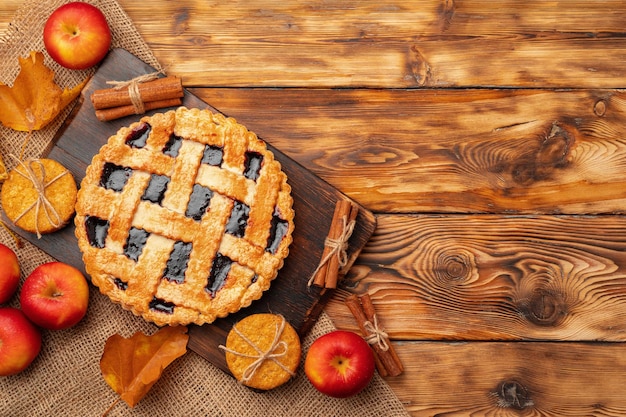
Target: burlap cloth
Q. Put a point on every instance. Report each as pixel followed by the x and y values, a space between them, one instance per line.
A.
pixel 65 379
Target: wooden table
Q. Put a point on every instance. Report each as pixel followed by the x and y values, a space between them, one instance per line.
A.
pixel 490 141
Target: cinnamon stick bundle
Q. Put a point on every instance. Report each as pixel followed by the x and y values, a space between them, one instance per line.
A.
pixel 137 97
pixel 334 256
pixel 104 115
pixel 387 361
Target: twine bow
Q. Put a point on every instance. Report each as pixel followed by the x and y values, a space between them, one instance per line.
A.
pixel 40 187
pixel 376 334
pixel 133 89
pixel 338 246
pixel 272 353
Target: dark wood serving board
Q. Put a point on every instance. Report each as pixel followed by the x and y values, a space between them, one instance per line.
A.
pixel 81 137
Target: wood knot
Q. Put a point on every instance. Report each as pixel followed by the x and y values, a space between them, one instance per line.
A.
pixel 374 152
pixel 544 308
pixel 599 108
pixel 446 11
pixel 455 267
pixel 512 394
pixel 418 66
pixel 181 21
pixel 552 153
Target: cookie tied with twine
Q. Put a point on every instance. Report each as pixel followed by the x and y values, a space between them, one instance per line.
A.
pixel 39 196
pixel 262 351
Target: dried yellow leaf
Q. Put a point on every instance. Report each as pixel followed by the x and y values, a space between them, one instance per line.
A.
pixel 35 99
pixel 132 365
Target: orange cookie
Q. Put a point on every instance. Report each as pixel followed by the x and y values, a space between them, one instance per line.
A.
pixel 3 170
pixel 263 351
pixel 39 196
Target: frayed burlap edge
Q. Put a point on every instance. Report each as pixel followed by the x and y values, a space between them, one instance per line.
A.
pixel 65 379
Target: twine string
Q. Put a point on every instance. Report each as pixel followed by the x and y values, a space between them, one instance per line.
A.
pixel 40 187
pixel 133 89
pixel 377 336
pixel 338 246
pixel 276 350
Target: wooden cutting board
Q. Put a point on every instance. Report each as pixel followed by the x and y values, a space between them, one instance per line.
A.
pixel 82 135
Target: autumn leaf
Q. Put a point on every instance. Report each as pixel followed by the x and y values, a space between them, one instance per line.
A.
pixel 132 366
pixel 35 99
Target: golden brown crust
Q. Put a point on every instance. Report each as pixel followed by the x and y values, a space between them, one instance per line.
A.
pixel 136 283
pixel 25 205
pixel 260 334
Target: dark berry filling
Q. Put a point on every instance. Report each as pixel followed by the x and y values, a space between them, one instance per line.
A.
pixel 161 306
pixel 134 244
pixel 97 230
pixel 238 220
pixel 138 137
pixel 120 284
pixel 253 163
pixel 278 230
pixel 219 273
pixel 199 201
pixel 177 263
pixel 212 155
pixel 173 145
pixel 114 177
pixel 156 188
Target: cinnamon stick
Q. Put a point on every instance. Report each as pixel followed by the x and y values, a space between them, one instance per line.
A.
pixel 104 115
pixel 334 254
pixel 353 303
pixel 350 212
pixel 387 361
pixel 335 228
pixel 156 90
pixel 388 357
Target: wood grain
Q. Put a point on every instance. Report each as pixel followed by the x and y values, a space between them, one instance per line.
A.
pixel 388 44
pixel 7 11
pixel 488 139
pixel 485 277
pixel 467 151
pixel 512 379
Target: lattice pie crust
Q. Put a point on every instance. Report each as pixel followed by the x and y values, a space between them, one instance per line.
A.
pixel 184 217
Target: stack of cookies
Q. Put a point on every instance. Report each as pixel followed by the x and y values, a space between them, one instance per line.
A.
pixel 39 196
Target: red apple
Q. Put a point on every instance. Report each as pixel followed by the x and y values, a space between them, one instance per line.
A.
pixel 9 273
pixel 77 36
pixel 340 364
pixel 20 341
pixel 55 296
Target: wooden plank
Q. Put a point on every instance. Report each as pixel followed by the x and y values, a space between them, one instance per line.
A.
pixel 388 44
pixel 7 11
pixel 473 277
pixel 512 379
pixel 314 203
pixel 485 151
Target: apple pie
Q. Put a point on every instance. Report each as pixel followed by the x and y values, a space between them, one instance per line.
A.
pixel 184 217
